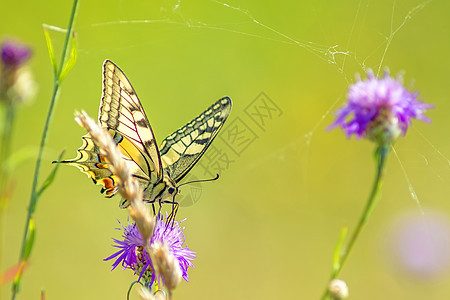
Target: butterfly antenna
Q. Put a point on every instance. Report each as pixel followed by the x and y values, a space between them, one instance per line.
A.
pixel 175 204
pixel 201 180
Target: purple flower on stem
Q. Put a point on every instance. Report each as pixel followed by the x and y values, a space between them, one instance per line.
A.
pixel 132 254
pixel 379 109
pixel 13 54
pixel 16 81
pixel 421 245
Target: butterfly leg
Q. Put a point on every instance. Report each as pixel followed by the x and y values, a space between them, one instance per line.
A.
pixel 160 206
pixel 153 207
pixel 172 215
pixel 176 206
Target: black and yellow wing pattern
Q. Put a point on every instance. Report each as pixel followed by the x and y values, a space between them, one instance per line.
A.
pixel 157 171
pixel 181 150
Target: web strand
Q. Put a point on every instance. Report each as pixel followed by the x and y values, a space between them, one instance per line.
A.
pixel 327 53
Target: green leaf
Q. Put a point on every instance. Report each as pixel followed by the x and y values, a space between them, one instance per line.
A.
pixel 29 240
pixel 51 53
pixel 19 157
pixel 29 243
pixel 72 59
pixel 47 182
pixel 338 249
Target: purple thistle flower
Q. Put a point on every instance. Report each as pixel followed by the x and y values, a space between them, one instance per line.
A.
pixel 132 254
pixel 13 54
pixel 379 109
pixel 16 81
pixel 420 245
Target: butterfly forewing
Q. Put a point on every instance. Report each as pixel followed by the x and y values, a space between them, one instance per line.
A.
pixel 121 110
pixel 183 148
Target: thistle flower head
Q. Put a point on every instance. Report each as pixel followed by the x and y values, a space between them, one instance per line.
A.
pixel 16 81
pixel 14 54
pixel 380 109
pixel 133 255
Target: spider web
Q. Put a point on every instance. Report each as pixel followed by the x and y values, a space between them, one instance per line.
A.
pixel 344 58
pixel 339 56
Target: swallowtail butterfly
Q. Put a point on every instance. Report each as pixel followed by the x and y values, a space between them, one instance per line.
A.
pixel 157 169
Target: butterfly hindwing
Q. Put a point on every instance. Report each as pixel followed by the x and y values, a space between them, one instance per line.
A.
pixel 181 150
pixel 90 162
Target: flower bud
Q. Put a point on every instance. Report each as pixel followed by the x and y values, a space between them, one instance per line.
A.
pixel 338 289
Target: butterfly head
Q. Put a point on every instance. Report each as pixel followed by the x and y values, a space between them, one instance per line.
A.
pixel 172 190
pixel 167 195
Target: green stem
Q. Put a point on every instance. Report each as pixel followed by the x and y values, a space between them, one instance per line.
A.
pixel 6 138
pixel 56 89
pixel 381 155
pixel 4 172
pixel 5 152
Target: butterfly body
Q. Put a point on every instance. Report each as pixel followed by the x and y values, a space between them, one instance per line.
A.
pixel 158 170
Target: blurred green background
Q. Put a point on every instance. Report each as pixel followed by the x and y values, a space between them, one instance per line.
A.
pixel 268 227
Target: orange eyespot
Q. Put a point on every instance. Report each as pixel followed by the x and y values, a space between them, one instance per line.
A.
pixel 110 188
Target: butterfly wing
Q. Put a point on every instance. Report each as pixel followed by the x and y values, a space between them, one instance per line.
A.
pixel 90 162
pixel 181 150
pixel 121 113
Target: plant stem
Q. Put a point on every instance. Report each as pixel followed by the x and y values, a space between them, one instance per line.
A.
pixel 6 137
pixel 380 155
pixel 56 88
pixel 5 152
pixel 4 172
